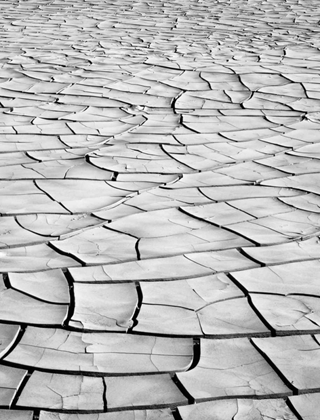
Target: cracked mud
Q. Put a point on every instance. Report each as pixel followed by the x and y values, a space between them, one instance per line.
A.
pixel 159 210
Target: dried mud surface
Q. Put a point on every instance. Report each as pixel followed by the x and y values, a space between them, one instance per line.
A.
pixel 160 210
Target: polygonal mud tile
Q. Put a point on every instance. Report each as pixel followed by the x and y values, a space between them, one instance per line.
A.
pixel 240 409
pixel 148 391
pixel 282 139
pixel 139 165
pixel 208 100
pixel 255 81
pixel 132 185
pixel 10 381
pixel 238 152
pixel 203 179
pixel 130 151
pixel 20 307
pixel 292 89
pixel 261 147
pixel 309 202
pixel 160 414
pixel 189 80
pixel 15 158
pixel 18 172
pixel 221 214
pixel 104 307
pixel 73 168
pixel 56 224
pixel 232 317
pixel 293 313
pixel 308 150
pixel 210 238
pixel 33 258
pixel 99 245
pixel 50 285
pixel 305 182
pixel 163 198
pixel 269 101
pixel 160 223
pixel 16 414
pixel 224 124
pixel 295 224
pixel 259 234
pixel 19 187
pixel 192 293
pixel 101 353
pixel 242 191
pixel 167 320
pixel 151 138
pixel 117 212
pixel 168 268
pixel 92 113
pixel 248 171
pixel 307 405
pixel 293 164
pixel 214 288
pixel 62 392
pixel 87 100
pixel 293 278
pixel 262 206
pixel 29 203
pixel 82 195
pixel 249 135
pixel 12 234
pixel 228 368
pixel 28 141
pixel 8 336
pixel 230 259
pixel 296 357
pixel 209 160
pixel 174 293
pixel 160 179
pixel 284 253
pixel 46 155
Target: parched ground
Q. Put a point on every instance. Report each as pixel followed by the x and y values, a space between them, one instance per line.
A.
pixel 160 210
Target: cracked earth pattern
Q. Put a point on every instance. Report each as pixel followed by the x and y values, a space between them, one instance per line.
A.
pixel 160 210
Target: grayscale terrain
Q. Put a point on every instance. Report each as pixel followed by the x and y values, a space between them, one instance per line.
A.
pixel 160 210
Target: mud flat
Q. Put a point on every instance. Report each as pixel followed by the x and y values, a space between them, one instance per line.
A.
pixel 160 210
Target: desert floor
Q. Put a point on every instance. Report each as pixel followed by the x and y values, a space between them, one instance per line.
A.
pixel 160 210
